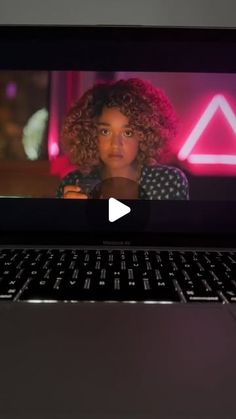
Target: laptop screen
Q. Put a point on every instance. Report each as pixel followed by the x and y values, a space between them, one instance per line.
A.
pixel 63 133
pixel 156 134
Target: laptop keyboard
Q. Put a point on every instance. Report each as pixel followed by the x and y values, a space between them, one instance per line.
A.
pixel 117 275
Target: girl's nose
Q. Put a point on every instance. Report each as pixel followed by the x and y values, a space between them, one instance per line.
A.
pixel 117 139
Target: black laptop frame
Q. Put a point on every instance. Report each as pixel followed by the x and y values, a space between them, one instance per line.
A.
pixel 105 48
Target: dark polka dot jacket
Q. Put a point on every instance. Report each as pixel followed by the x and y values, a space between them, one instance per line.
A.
pixel 156 182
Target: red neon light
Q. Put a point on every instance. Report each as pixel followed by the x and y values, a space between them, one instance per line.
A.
pixel 218 102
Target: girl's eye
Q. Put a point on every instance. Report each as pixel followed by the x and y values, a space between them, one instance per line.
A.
pixel 128 133
pixel 104 131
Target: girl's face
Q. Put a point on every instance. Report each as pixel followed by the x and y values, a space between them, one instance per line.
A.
pixel 117 143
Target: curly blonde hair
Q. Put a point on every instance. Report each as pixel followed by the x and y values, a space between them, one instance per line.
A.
pixel 149 111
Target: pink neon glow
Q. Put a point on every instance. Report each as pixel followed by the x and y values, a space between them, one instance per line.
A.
pixel 53 149
pixel 212 159
pixel 61 166
pixel 53 119
pixel 218 102
pixel 57 107
pixel 11 90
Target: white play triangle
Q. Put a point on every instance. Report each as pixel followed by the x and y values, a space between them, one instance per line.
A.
pixel 117 210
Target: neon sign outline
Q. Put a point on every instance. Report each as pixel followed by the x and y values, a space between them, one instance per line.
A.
pixel 218 101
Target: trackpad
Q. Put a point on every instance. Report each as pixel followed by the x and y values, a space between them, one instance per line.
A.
pixel 116 361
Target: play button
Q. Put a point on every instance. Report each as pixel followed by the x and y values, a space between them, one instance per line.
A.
pixel 117 210
pixel 116 204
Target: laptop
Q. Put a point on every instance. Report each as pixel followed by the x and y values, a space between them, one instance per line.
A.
pixel 118 234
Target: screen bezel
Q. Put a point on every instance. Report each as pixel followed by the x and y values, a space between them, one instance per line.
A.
pixel 108 49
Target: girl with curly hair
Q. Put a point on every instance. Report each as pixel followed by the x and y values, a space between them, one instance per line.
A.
pixel 117 131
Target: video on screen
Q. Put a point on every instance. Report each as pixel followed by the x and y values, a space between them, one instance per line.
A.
pixel 127 135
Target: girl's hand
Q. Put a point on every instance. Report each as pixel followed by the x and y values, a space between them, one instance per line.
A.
pixel 73 192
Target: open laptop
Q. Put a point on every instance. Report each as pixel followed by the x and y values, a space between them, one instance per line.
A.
pixel 118 168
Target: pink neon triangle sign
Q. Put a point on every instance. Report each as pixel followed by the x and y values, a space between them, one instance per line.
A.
pixel 217 102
